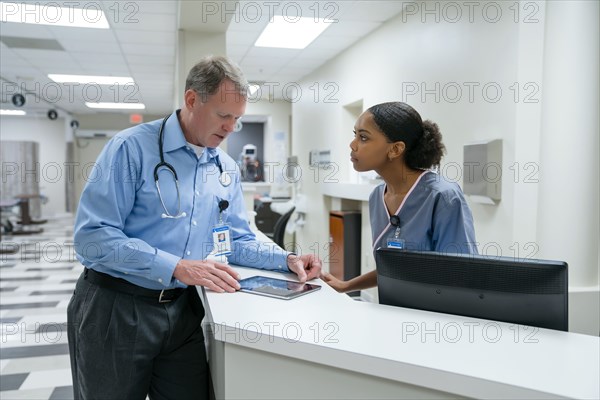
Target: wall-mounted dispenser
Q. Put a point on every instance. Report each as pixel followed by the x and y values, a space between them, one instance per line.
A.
pixel 482 171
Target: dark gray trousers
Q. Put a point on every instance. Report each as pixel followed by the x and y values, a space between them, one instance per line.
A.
pixel 126 347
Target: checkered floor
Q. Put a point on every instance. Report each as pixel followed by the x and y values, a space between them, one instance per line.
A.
pixel 35 287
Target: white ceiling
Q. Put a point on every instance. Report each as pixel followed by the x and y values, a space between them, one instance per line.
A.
pixel 142 44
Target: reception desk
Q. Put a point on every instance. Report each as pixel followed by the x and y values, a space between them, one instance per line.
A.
pixel 325 345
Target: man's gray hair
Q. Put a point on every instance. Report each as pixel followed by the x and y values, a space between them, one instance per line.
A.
pixel 207 75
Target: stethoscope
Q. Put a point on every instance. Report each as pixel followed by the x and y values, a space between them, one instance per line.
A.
pixel 224 177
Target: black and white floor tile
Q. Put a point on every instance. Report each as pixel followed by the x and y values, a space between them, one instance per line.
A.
pixel 36 284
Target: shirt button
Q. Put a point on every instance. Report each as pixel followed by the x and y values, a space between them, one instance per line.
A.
pixel 188 252
pixel 197 193
pixel 160 280
pixel 194 223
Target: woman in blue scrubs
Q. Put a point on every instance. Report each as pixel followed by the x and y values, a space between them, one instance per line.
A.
pixel 415 208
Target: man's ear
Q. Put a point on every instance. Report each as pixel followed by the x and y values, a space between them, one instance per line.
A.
pixel 396 150
pixel 190 98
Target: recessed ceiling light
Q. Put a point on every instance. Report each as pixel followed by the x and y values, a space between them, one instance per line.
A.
pixel 252 88
pixel 99 80
pixel 12 112
pixel 91 16
pixel 117 106
pixel 296 33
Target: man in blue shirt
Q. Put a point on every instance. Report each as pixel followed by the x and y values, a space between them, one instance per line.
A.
pixel 160 198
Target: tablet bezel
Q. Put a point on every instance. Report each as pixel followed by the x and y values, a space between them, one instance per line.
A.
pixel 306 288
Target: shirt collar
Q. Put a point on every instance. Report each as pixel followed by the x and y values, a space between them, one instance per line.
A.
pixel 173 138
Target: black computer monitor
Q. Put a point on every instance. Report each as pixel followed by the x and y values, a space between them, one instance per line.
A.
pixel 521 291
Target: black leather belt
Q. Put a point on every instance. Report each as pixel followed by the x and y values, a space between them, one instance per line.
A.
pixel 121 285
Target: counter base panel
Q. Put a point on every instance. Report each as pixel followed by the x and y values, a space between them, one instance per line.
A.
pixel 243 373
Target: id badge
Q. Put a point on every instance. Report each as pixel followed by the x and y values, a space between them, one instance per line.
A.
pixel 394 242
pixel 221 240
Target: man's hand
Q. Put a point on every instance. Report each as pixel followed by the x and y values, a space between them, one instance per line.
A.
pixel 307 266
pixel 211 274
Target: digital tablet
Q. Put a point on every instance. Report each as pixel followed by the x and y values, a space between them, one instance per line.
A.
pixel 278 288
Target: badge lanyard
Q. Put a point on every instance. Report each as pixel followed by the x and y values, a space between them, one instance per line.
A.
pixel 394 241
pixel 221 233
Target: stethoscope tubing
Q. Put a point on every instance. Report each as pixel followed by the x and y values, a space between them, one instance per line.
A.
pixel 224 177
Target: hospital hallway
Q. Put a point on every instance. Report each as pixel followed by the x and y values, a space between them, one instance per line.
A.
pixel 36 284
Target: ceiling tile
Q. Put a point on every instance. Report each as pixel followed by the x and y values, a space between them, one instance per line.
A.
pixel 241 38
pixel 146 22
pixel 43 55
pixel 316 53
pixel 93 57
pixel 145 37
pixel 248 25
pixel 268 53
pixel 142 44
pixel 82 34
pixel 132 9
pixel 9 56
pixel 148 68
pixel 265 67
pixel 150 61
pixel 337 43
pixel 149 50
pixel 237 52
pixel 75 45
pixel 154 76
pixel 375 11
pixel 350 29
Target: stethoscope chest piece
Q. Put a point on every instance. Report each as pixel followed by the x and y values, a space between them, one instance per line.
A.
pixel 225 179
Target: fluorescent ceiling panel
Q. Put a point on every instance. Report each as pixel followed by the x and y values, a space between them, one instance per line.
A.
pixel 288 33
pixel 12 112
pixel 99 80
pixel 91 16
pixel 116 106
pixel 252 88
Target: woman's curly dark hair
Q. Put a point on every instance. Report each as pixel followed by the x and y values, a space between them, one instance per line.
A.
pixel 399 122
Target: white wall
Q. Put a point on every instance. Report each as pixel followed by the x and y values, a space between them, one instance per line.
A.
pixel 278 113
pixel 473 52
pixel 52 147
pixel 86 151
pixel 410 55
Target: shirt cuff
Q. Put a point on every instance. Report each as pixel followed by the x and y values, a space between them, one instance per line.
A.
pixel 286 268
pixel 163 267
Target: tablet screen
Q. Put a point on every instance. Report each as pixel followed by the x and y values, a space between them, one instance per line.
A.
pixel 279 288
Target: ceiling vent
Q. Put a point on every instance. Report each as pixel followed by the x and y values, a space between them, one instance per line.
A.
pixel 15 42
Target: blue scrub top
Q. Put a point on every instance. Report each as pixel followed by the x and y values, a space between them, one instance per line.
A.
pixel 434 216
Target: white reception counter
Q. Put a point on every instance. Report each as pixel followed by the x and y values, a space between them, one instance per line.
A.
pixel 325 345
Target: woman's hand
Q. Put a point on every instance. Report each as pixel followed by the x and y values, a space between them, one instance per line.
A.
pixel 337 284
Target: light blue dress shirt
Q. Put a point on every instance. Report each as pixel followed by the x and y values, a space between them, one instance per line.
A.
pixel 433 217
pixel 119 229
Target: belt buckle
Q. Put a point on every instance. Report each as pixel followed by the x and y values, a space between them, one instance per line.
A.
pixel 160 297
